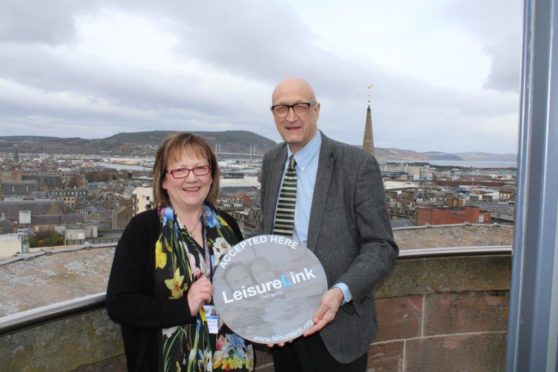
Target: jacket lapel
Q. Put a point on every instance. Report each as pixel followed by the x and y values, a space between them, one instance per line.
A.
pixel 277 163
pixel 323 179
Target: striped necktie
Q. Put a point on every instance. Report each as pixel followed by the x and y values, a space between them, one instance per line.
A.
pixel 284 215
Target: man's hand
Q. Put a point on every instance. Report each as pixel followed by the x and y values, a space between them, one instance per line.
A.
pixel 329 305
pixel 280 344
pixel 200 293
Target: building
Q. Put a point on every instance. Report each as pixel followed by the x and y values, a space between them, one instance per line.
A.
pixel 70 197
pixel 121 216
pixel 44 214
pixel 448 215
pixel 238 180
pixel 18 189
pixel 10 245
pixel 45 182
pixel 74 235
pixel 407 171
pixel 142 199
pixel 248 219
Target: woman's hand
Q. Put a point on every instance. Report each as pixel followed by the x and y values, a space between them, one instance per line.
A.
pixel 200 293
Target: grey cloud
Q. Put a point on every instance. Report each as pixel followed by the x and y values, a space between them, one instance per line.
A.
pixel 489 19
pixel 261 41
pixel 505 72
pixel 499 23
pixel 48 71
pixel 43 22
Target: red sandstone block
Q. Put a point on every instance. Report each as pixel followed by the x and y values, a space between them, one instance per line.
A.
pixel 399 317
pixel 466 353
pixel 447 313
pixel 385 357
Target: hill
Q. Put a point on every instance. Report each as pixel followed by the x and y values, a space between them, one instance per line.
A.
pixel 487 156
pixel 388 154
pixel 397 154
pixel 130 144
pixel 146 144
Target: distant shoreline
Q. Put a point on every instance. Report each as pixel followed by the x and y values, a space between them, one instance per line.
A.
pixel 460 163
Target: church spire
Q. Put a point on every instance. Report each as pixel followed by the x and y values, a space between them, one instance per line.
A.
pixel 368 142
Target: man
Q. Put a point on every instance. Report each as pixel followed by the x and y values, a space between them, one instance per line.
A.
pixel 340 215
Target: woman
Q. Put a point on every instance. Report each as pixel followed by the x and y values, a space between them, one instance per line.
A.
pixel 160 282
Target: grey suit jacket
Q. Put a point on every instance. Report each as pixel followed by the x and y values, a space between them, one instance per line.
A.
pixel 349 232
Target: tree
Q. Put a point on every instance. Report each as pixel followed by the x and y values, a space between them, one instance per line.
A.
pixel 46 239
pixel 101 176
pixel 76 181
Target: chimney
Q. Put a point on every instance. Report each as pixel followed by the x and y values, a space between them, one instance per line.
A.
pixel 24 239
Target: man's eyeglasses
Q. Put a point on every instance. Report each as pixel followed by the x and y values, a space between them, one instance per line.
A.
pixel 200 170
pixel 299 109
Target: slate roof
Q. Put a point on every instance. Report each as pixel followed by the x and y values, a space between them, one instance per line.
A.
pixel 38 207
pixel 18 188
pixel 462 235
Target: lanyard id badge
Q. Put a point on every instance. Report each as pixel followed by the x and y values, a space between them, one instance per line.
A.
pixel 212 318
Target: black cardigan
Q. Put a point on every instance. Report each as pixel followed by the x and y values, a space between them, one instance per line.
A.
pixel 131 297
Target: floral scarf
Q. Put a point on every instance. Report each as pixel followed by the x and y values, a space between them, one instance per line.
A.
pixel 179 260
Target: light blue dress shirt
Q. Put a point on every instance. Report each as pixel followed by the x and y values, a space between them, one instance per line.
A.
pixel 307 160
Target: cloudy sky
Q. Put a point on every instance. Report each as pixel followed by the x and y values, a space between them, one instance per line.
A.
pixel 445 73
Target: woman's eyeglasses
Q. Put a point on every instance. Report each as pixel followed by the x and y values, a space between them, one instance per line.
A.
pixel 200 170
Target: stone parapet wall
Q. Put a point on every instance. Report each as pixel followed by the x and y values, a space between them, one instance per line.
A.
pixel 81 342
pixel 443 314
pixel 434 313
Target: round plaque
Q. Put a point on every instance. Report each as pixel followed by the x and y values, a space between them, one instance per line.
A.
pixel 267 288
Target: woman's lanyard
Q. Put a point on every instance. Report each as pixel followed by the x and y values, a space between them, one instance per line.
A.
pixel 208 257
pixel 205 246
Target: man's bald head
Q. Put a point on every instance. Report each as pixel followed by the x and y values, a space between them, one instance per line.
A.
pixel 293 84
